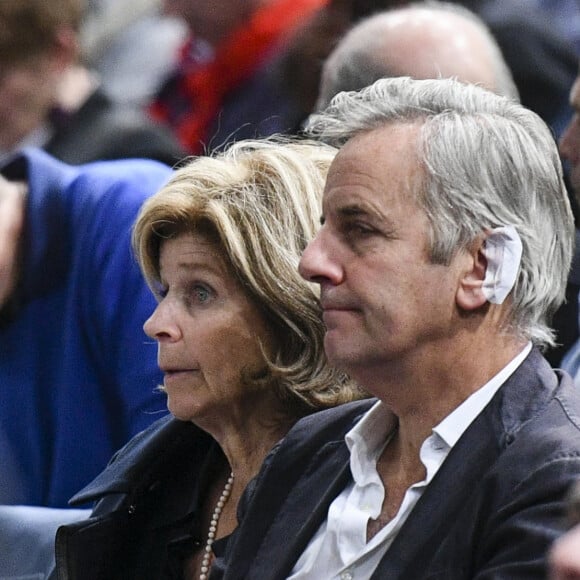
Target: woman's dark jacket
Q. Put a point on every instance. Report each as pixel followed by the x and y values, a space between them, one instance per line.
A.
pixel 145 520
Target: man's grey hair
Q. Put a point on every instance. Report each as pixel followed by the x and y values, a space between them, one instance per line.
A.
pixel 488 162
pixel 356 62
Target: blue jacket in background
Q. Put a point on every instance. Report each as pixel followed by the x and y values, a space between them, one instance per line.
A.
pixel 78 375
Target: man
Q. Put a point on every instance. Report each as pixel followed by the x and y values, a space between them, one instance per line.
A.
pixel 48 99
pixel 78 377
pixel 425 40
pixel 445 242
pixel 432 40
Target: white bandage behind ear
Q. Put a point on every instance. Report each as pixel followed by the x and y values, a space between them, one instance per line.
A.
pixel 503 251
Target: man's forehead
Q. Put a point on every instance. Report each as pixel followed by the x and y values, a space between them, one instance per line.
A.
pixel 376 156
pixel 404 131
pixel 387 140
pixel 373 172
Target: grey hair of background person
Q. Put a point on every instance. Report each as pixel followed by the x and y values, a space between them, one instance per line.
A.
pixel 358 61
pixel 488 162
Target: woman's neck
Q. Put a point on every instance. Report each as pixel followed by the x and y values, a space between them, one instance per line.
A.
pixel 246 450
pixel 244 446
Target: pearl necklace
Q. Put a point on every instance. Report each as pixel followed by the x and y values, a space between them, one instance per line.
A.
pixel 213 524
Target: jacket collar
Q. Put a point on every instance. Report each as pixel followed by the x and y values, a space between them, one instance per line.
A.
pixel 162 446
pixel 298 510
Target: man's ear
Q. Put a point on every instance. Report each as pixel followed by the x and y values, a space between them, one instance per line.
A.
pixel 470 295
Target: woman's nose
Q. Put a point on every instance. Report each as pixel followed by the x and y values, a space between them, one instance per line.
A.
pixel 162 324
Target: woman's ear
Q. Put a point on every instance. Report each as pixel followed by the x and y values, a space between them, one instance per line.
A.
pixel 470 295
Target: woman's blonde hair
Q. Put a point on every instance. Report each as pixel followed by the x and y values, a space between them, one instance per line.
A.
pixel 261 200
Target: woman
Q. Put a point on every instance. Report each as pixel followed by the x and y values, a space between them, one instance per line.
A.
pixel 240 342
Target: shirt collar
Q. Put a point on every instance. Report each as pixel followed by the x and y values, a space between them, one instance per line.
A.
pixel 457 422
pixel 367 439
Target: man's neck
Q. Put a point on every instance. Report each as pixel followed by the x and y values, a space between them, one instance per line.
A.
pixel 400 464
pixel 423 391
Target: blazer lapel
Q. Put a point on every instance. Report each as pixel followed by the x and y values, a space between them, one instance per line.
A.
pixel 297 517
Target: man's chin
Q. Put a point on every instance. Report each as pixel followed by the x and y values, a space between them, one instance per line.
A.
pixel 340 355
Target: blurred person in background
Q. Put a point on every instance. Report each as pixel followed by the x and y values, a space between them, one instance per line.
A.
pixel 422 40
pixel 49 99
pixel 570 151
pixel 540 56
pixel 78 376
pixel 131 45
pixel 223 88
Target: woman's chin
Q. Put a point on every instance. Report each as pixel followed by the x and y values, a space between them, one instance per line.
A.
pixel 182 410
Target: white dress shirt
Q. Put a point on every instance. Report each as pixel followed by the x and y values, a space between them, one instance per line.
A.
pixel 339 550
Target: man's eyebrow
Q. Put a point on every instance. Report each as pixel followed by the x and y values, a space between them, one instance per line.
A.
pixel 357 209
pixel 349 210
pixel 346 212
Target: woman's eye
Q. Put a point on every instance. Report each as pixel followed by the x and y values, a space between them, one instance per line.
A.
pixel 160 292
pixel 201 294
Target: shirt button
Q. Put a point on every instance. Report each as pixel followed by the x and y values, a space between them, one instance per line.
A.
pixel 346 575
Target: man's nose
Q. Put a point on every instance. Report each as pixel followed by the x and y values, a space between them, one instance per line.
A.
pixel 318 263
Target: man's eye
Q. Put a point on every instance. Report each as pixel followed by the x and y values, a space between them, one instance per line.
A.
pixel 359 228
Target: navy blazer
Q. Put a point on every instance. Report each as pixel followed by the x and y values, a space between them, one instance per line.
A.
pixel 492 510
